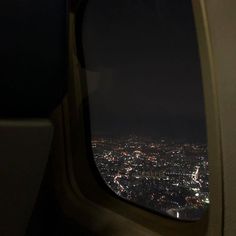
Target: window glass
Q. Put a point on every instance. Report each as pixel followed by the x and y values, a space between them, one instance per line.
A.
pixel 146 105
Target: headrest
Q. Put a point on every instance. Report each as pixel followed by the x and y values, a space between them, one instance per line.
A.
pixel 33 55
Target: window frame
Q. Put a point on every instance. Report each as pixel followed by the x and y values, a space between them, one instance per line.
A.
pixel 85 200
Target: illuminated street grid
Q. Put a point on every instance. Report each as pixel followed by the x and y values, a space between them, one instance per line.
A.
pixel 159 174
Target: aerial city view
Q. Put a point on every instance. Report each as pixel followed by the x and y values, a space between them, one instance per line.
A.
pixel 146 104
pixel 161 175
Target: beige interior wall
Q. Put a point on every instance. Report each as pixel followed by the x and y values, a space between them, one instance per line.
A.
pixel 222 26
pixel 24 149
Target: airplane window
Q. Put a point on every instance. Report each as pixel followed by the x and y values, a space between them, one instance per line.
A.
pixel 146 106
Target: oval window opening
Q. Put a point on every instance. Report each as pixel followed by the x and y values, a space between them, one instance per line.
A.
pixel 146 104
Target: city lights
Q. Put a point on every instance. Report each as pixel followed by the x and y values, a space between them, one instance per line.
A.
pixel 162 175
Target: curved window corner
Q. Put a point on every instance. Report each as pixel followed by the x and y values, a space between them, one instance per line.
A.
pixel 145 103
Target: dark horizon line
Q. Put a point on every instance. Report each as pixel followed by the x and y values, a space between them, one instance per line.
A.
pixel 157 137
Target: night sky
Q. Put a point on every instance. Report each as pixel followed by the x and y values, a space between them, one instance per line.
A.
pixel 142 68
